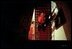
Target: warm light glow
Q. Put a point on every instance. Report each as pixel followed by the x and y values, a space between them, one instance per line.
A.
pixel 54 6
pixel 31 35
pixel 59 34
pixel 33 17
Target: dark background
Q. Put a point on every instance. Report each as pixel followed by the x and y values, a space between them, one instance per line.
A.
pixel 15 21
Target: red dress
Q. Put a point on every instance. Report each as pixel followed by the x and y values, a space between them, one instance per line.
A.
pixel 46 33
